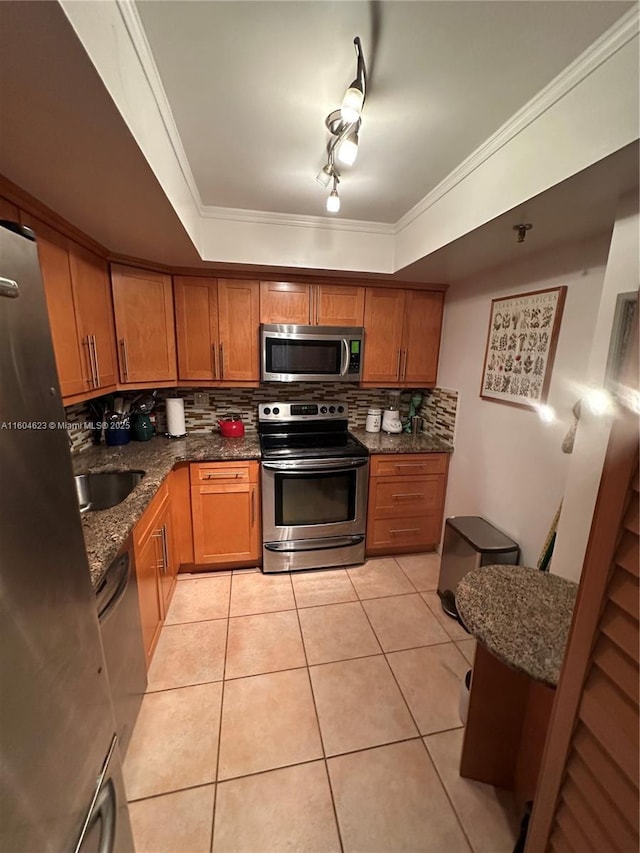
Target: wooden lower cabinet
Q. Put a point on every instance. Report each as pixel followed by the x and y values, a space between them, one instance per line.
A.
pixel 156 569
pixel 406 502
pixel 225 507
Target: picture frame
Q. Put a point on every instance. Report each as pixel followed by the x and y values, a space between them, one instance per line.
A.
pixel 521 345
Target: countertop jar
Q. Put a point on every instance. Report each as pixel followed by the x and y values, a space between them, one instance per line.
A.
pixel 374 420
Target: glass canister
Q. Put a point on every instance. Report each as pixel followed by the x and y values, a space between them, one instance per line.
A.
pixel 374 420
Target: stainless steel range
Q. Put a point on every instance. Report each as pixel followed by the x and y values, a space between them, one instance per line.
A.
pixel 315 477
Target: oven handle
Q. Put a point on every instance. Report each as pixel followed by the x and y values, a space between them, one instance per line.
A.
pixel 345 358
pixel 311 465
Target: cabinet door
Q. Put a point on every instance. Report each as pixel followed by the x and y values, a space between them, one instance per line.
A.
pixel 225 523
pixel 239 324
pixel 143 305
pixel 74 368
pixel 339 305
pixel 196 304
pixel 285 302
pixel 422 325
pixel 383 318
pixel 148 556
pixel 168 570
pixel 92 293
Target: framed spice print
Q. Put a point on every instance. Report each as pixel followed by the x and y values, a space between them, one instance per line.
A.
pixel 521 344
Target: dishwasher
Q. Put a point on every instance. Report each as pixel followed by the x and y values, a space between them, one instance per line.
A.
pixel 121 630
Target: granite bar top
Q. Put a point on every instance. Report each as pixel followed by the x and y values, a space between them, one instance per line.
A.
pixel 421 442
pixel 521 615
pixel 105 531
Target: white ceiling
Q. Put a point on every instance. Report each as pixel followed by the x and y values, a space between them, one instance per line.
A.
pixel 250 83
pixel 64 141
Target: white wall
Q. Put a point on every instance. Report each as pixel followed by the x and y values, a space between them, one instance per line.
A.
pixel 508 466
pixel 585 468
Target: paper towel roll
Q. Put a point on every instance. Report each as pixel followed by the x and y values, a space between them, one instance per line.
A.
pixel 175 417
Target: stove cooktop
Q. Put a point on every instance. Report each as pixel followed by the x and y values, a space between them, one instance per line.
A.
pixel 311 446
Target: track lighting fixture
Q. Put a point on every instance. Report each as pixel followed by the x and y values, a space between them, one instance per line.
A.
pixel 343 125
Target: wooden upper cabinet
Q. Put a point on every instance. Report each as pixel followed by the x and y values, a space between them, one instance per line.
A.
pixel 238 326
pixel 339 305
pixel 383 322
pixel 422 325
pixel 285 302
pixel 311 304
pixel 73 364
pixel 94 314
pixel 196 305
pixel 143 306
pixel 402 337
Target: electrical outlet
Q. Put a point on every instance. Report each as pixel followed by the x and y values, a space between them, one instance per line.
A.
pixel 201 398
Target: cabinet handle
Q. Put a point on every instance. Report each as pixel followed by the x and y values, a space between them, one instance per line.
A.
pixel 311 306
pixel 214 350
pixel 408 465
pixel 221 361
pixel 253 507
pixel 408 495
pixel 125 360
pixel 227 475
pixel 92 379
pixel 399 364
pixel 404 366
pixel 95 359
pixel 317 300
pixel 406 530
pixel 165 550
pixel 158 535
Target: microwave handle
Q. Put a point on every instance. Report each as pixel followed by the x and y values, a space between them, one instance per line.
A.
pixel 345 357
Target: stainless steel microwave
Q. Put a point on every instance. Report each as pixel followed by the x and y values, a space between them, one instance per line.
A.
pixel 311 353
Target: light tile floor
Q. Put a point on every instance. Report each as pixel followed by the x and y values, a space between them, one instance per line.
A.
pixel 310 712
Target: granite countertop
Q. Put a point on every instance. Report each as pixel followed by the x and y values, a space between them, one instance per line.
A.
pixel 520 615
pixel 105 531
pixel 421 442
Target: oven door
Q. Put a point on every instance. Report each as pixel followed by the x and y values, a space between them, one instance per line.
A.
pixel 314 498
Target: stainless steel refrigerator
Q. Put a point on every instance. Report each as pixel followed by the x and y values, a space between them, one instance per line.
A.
pixel 61 786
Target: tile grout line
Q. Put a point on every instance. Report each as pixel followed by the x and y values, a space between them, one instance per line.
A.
pixel 446 792
pixel 315 708
pixel 217 768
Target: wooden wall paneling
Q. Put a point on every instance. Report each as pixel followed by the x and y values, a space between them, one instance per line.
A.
pixel 239 324
pixel 196 307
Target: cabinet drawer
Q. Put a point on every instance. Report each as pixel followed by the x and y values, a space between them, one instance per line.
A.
pixel 408 464
pixel 224 472
pixel 393 497
pixel 408 531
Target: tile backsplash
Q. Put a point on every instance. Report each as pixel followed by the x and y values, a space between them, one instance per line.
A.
pixel 438 406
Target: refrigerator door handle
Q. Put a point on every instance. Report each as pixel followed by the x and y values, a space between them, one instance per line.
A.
pixel 103 807
pixel 9 287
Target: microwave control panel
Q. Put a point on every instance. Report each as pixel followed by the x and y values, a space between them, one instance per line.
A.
pixel 355 347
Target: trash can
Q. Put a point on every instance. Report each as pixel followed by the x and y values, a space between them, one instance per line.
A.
pixel 470 542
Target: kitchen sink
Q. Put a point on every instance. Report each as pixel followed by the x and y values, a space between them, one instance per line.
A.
pixel 104 490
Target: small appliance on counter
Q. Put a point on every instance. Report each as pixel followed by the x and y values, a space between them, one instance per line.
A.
pixel 231 426
pixel 391 422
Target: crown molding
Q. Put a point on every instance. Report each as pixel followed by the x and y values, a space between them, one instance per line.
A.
pixel 261 217
pixel 616 37
pixel 131 19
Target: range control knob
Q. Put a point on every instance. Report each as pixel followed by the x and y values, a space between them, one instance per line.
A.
pixel 332 410
pixel 323 410
pixel 340 409
pixel 267 410
pixel 276 411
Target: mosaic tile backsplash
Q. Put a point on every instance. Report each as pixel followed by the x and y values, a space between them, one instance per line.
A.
pixel 438 406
